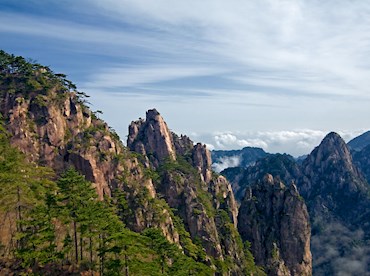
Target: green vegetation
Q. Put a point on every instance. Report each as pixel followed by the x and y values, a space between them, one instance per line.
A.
pixel 26 77
pixel 61 226
pixel 251 268
pixel 20 75
pixel 229 233
pixel 191 249
pixel 182 169
pixel 23 189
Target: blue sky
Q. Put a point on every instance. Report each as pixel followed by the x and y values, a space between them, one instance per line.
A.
pixel 277 74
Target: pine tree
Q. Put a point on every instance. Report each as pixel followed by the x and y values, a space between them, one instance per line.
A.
pixel 23 185
pixel 39 236
pixel 76 196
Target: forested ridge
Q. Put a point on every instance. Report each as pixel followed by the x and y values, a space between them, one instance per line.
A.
pixel 61 226
pixel 55 221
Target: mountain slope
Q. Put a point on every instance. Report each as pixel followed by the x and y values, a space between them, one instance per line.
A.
pixel 360 142
pixel 337 197
pixel 49 121
pixel 362 161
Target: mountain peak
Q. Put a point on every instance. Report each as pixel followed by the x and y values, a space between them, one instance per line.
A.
pixel 333 135
pixel 337 197
pixel 332 147
pixel 332 160
pixel 152 114
pixel 330 169
pixel 152 137
pixel 332 139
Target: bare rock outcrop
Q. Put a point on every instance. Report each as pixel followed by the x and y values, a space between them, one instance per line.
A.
pixel 189 186
pixel 152 138
pixel 331 161
pixel 223 197
pixel 202 161
pixel 47 129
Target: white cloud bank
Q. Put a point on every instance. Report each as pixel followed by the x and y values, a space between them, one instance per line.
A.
pixel 294 142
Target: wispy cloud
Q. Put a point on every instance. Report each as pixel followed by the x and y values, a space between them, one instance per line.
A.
pixel 237 65
pixel 296 45
pixel 227 140
pixel 226 162
pixel 345 250
pixel 311 42
pixel 137 76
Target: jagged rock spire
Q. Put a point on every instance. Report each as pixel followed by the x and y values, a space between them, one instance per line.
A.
pixel 151 137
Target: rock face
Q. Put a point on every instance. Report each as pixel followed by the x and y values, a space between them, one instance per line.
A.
pixel 275 220
pixel 202 161
pixel 47 127
pixel 337 196
pixel 152 138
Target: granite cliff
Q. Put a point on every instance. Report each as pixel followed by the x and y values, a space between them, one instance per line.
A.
pixel 200 197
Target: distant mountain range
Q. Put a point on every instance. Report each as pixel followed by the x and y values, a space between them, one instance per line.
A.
pixel 223 159
pixel 333 181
